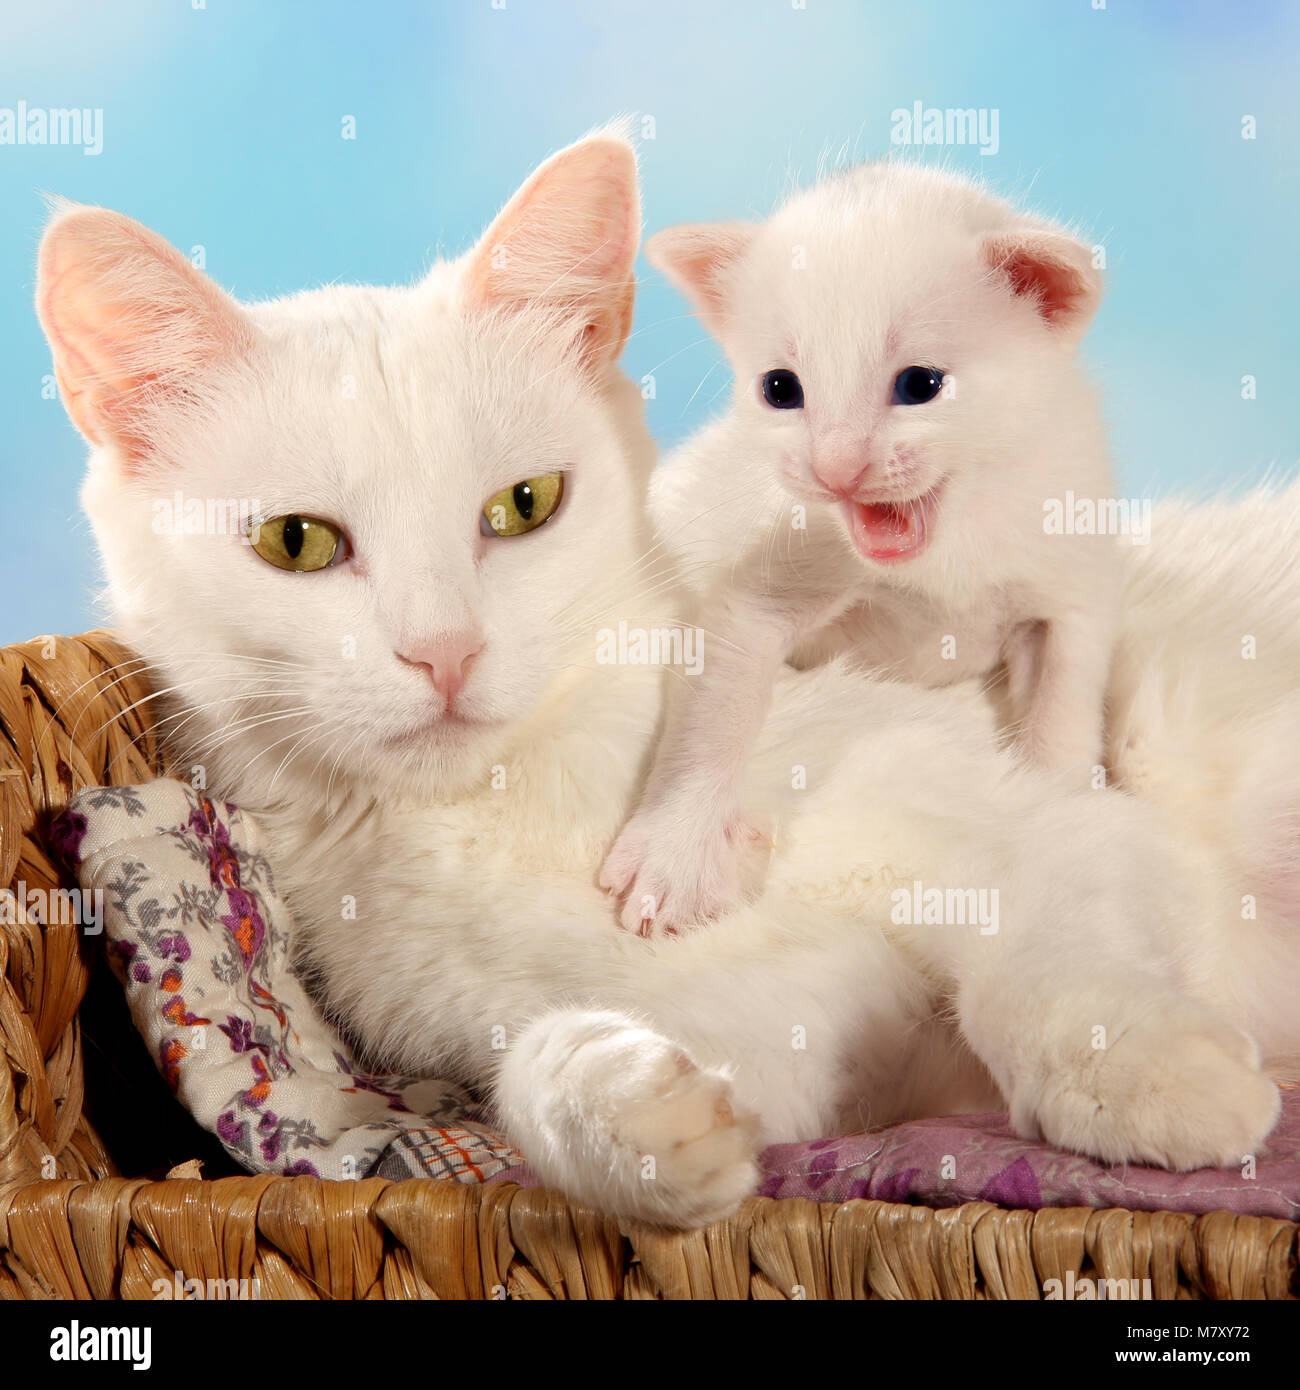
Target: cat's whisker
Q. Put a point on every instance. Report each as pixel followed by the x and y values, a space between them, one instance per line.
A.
pixel 144 700
pixel 133 666
pixel 610 584
pixel 185 714
pixel 187 711
pixel 121 714
pixel 662 577
pixel 580 627
pixel 138 666
pixel 638 667
pixel 343 752
pixel 215 738
pixel 329 732
pixel 287 760
pixel 320 730
pixel 657 553
pixel 212 744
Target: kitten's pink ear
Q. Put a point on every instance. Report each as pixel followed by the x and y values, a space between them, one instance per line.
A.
pixel 699 257
pixel 566 243
pixel 1052 270
pixel 130 321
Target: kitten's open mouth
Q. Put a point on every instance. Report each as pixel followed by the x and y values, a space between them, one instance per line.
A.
pixel 893 531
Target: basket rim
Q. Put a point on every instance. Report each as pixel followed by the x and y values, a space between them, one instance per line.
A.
pixel 313 1237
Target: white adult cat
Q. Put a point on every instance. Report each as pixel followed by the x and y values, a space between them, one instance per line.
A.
pixel 907 396
pixel 398 679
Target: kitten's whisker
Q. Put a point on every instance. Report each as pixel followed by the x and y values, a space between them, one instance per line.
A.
pixel 659 323
pixel 698 389
pixel 537 381
pixel 672 356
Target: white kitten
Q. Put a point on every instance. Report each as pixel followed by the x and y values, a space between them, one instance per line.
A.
pixel 907 397
pixel 398 680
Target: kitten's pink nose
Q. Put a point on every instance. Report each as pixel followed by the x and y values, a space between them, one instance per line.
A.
pixel 448 661
pixel 841 473
pixel 841 458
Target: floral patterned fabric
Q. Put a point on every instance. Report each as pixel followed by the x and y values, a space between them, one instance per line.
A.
pixel 199 939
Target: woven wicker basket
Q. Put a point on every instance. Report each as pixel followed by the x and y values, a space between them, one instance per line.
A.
pixel 79 1105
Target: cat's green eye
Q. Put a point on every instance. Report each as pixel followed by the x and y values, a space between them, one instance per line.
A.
pixel 523 507
pixel 296 542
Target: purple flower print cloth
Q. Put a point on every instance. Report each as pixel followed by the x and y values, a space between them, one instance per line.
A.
pixel 199 939
pixel 988 1162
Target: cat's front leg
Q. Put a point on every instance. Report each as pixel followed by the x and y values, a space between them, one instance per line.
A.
pixel 615 1115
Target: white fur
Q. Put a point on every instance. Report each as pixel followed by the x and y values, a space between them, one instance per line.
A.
pixel 1204 723
pixel 442 875
pixel 887 266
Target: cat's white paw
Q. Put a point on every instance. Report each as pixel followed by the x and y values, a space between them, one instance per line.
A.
pixel 618 1116
pixel 1180 1089
pixel 673 869
pixel 697 1152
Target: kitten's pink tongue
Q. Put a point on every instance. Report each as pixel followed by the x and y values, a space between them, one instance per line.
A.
pixel 889 531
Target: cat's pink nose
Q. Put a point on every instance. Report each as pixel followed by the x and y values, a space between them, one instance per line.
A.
pixel 447 660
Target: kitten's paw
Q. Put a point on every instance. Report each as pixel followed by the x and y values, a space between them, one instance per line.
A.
pixel 620 1117
pixel 672 872
pixel 1180 1089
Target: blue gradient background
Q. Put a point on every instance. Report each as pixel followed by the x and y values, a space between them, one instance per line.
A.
pixel 222 129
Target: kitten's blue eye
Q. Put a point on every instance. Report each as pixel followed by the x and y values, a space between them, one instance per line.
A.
pixel 916 385
pixel 782 390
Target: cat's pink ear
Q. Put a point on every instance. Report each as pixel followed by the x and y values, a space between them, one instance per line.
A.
pixel 699 257
pixel 566 245
pixel 1051 269
pixel 131 324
